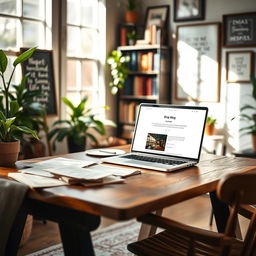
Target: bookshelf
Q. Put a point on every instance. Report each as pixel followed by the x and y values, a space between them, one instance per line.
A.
pixel 148 82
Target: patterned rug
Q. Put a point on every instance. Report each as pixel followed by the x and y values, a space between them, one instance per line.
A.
pixel 111 240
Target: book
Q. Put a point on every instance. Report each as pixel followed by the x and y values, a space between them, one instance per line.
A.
pixel 123 37
pixel 34 181
pixel 107 180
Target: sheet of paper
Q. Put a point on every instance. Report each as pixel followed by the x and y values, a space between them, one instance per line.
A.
pixel 89 173
pixel 37 171
pixel 35 181
pixel 61 161
pixel 123 172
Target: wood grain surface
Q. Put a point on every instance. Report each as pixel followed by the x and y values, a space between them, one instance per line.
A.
pixel 141 194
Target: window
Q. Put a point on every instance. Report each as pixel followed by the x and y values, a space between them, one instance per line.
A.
pixel 24 23
pixel 85 50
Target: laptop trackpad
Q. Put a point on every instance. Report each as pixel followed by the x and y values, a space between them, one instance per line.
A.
pixel 143 163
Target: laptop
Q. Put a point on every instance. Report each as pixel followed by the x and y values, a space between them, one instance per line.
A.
pixel 166 138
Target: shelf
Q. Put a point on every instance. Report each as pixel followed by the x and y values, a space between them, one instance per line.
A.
pixel 148 73
pixel 142 47
pixel 127 123
pixel 135 97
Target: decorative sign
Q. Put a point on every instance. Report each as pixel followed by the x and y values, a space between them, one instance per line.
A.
pixel 198 62
pixel 239 30
pixel 40 67
pixel 239 66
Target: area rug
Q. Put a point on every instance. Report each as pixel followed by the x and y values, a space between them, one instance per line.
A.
pixel 111 240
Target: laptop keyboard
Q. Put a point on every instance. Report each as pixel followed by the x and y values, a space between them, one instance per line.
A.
pixel 154 159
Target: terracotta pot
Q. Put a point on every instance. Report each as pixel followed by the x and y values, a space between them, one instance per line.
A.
pixel 131 17
pixel 254 143
pixel 209 129
pixel 9 152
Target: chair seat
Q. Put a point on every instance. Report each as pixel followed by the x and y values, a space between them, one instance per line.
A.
pixel 168 243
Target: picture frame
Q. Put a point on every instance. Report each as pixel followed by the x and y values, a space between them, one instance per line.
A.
pixel 157 15
pixel 239 66
pixel 198 52
pixel 239 30
pixel 188 10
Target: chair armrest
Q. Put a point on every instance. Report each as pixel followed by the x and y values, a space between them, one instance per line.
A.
pixel 186 230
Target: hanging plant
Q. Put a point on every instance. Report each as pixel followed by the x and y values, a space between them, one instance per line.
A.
pixel 119 70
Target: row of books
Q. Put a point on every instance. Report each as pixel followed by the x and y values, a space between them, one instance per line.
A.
pixel 128 111
pixel 141 61
pixel 140 86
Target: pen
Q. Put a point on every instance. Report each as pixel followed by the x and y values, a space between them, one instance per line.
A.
pixel 109 152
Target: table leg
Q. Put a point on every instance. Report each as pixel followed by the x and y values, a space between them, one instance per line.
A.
pixel 148 230
pixel 220 211
pixel 75 242
pixel 74 226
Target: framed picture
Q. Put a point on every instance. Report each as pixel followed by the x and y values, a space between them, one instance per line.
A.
pixel 239 30
pixel 188 10
pixel 239 66
pixel 157 15
pixel 198 62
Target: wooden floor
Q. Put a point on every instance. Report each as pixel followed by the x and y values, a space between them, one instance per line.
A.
pixel 195 212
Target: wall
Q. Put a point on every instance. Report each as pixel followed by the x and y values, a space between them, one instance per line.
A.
pixel 233 96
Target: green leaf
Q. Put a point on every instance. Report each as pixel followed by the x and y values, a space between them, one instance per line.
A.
pixel 27 131
pixel 3 61
pixel 68 103
pixel 9 122
pixel 2 116
pixel 24 56
pixel 14 108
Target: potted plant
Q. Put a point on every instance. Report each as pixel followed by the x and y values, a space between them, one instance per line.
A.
pixel 250 119
pixel 119 70
pixel 33 115
pixel 76 128
pixel 131 36
pixel 9 143
pixel 131 14
pixel 210 125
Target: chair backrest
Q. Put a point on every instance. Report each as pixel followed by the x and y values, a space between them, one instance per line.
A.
pixel 236 189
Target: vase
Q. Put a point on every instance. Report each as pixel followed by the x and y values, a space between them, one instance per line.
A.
pixel 9 152
pixel 131 17
pixel 209 129
pixel 74 147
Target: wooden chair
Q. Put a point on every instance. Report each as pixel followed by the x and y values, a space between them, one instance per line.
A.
pixel 179 239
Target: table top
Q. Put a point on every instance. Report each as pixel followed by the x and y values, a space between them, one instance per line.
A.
pixel 141 194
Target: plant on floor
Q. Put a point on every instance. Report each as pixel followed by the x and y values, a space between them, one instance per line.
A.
pixel 251 119
pixel 9 109
pixel 119 70
pixel 77 127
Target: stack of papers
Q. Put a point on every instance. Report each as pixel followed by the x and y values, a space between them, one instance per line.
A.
pixel 63 171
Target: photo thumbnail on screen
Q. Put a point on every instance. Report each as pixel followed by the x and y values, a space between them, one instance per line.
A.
pixel 156 141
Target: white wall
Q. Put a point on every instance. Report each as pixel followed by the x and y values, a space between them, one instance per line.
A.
pixel 233 96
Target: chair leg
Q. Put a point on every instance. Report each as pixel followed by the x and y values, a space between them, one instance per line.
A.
pixel 148 230
pixel 211 218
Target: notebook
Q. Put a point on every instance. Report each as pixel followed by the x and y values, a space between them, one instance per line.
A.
pixel 166 138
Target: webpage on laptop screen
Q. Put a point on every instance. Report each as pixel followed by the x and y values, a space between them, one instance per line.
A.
pixel 169 131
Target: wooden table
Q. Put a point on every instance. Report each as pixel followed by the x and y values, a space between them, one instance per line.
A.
pixel 78 209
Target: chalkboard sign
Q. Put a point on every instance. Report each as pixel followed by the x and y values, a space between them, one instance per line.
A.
pixel 41 77
pixel 239 30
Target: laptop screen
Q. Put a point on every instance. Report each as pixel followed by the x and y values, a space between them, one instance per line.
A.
pixel 170 130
